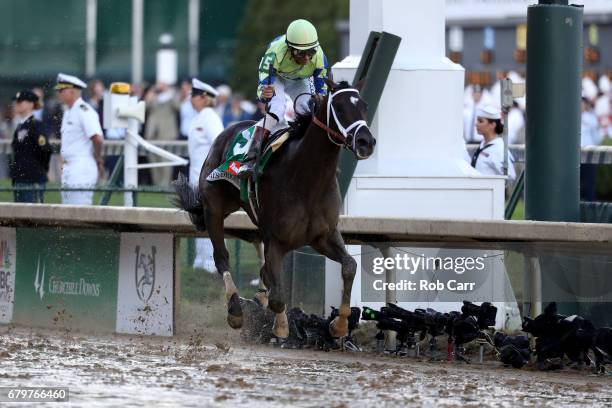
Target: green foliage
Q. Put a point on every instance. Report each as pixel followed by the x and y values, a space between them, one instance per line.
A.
pixel 265 20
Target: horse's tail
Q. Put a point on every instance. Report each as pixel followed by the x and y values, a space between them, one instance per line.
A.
pixel 188 198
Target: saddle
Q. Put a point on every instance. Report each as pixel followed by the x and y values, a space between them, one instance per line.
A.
pixel 238 149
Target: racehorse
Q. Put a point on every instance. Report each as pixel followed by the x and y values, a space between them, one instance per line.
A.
pixel 298 195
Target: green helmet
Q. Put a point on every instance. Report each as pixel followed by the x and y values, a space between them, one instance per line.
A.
pixel 302 35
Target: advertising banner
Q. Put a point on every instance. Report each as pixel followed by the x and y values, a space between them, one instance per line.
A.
pixel 7 273
pixel 66 278
pixel 145 294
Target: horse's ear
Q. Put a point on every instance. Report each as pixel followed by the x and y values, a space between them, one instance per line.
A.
pixel 359 84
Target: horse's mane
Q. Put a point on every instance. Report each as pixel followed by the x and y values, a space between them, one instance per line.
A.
pixel 342 85
pixel 298 127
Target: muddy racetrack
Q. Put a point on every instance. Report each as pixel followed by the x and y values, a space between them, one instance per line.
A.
pixel 195 370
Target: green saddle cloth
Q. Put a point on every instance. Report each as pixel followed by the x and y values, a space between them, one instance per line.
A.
pixel 238 149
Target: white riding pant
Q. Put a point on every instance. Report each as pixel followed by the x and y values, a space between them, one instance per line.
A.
pixel 79 172
pixel 278 103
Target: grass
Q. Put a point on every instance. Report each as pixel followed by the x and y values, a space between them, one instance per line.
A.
pixel 519 211
pixel 202 293
pixel 198 285
pixel 157 200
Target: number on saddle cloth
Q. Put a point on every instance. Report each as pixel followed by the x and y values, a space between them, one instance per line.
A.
pixel 237 151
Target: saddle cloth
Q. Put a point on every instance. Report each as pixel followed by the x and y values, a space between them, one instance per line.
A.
pixel 235 155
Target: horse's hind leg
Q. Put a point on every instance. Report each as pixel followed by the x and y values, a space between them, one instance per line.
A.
pixel 271 273
pixel 214 224
pixel 332 246
pixel 262 292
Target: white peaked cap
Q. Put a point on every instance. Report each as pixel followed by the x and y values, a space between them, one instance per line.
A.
pixel 68 81
pixel 488 112
pixel 198 85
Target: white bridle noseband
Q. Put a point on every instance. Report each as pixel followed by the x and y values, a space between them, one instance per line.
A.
pixel 357 125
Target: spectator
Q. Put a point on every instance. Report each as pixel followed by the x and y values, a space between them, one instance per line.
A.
pixel 469 115
pixel 81 142
pixel 602 106
pixel 162 110
pixel 4 127
pixel 186 116
pixel 186 111
pixel 489 157
pixel 204 129
pixel 224 94
pixel 31 151
pixel 234 112
pixel 95 95
pixel 5 133
pixel 516 125
pixel 38 112
pixel 52 118
pixel 589 136
pixel 52 114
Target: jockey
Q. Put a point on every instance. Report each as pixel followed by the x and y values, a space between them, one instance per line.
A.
pixel 293 64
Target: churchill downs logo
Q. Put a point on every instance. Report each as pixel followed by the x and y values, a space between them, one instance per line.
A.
pixel 144 273
pixel 57 286
pixel 5 272
pixel 5 255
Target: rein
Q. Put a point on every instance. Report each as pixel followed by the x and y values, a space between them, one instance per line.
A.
pixel 331 133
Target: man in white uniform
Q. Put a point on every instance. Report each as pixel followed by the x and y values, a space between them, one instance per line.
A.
pixel 489 157
pixel 81 142
pixel 205 127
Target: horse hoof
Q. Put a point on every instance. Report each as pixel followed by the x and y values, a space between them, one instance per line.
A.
pixel 280 332
pixel 234 312
pixel 280 329
pixel 338 327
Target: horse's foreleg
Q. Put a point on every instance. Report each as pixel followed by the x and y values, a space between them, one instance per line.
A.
pixel 332 246
pixel 262 292
pixel 272 279
pixel 214 223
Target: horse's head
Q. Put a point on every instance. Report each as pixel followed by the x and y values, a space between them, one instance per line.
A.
pixel 346 115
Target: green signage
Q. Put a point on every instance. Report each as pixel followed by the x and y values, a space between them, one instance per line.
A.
pixel 67 278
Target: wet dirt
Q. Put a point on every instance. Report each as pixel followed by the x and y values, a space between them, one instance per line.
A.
pixel 198 370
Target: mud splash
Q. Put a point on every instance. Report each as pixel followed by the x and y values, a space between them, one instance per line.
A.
pixel 192 371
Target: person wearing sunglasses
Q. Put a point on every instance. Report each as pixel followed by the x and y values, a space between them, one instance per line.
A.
pixel 294 64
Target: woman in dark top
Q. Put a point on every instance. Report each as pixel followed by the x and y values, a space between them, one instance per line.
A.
pixel 31 151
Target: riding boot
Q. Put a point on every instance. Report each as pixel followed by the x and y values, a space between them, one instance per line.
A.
pixel 248 164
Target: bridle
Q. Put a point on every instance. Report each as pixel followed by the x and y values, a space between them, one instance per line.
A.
pixel 344 137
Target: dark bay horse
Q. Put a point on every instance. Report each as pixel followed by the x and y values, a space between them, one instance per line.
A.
pixel 299 200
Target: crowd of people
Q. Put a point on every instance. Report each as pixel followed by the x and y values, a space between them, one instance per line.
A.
pixel 75 111
pixel 482 107
pixel 168 117
pixel 596 117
